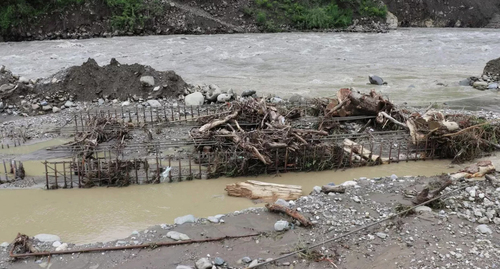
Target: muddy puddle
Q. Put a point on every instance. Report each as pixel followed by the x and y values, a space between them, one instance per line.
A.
pixel 103 214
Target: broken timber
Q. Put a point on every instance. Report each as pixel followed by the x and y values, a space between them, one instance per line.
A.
pixel 253 189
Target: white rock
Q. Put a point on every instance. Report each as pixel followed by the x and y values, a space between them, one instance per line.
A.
pixel 177 236
pixel 154 103
pixel 349 183
pixel 194 99
pixel 56 244
pixel 483 228
pixel 47 237
pixel 62 247
pixel 164 226
pixel 496 221
pixel 317 189
pixel 69 104
pixel 391 20
pixel 356 199
pixel 480 85
pixel 253 263
pixel 47 108
pixel 223 98
pixel 451 125
pixel 126 103
pixel 148 81
pixel 157 88
pixel 382 235
pixel 483 220
pixel 55 109
pixel 422 209
pixel 4 245
pixel 472 193
pixel 394 177
pixel 213 219
pixel 203 263
pixel 183 267
pixel 24 80
pixel 281 225
pixel 185 219
pixel 282 202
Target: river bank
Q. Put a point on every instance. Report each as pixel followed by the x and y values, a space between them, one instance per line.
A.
pixel 90 19
pixel 468 236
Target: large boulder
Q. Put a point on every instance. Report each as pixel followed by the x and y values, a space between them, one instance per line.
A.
pixel 392 21
pixel 154 103
pixel 194 99
pixel 47 237
pixel 185 219
pixel 148 81
pixel 213 92
pixel 492 69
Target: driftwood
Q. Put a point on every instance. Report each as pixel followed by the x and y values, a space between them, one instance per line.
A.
pixel 426 195
pixel 290 212
pixel 476 170
pixel 218 122
pixel 361 151
pixel 23 244
pixel 382 115
pixel 337 189
pixel 262 190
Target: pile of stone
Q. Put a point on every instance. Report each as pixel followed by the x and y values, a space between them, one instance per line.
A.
pixel 489 80
pixel 208 94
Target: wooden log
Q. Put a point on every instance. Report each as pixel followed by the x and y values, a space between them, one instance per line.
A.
pixel 337 189
pixel 361 151
pixel 218 122
pixel 265 191
pixel 290 212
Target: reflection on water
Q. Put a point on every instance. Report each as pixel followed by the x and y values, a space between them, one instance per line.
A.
pixel 102 214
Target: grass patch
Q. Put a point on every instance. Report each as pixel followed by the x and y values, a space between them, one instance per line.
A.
pixel 316 14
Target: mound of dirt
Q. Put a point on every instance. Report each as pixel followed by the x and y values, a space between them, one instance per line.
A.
pixel 114 81
pixel 492 68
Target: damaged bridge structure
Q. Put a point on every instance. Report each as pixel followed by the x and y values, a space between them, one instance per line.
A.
pixel 254 136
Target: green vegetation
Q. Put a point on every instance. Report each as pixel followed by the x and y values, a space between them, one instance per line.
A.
pixel 315 14
pixel 127 14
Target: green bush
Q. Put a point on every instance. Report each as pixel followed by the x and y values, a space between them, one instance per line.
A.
pixel 261 18
pixel 318 14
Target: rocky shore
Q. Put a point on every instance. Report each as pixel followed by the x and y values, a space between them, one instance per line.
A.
pixel 460 231
pixel 489 80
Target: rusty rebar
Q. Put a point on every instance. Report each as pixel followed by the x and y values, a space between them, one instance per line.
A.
pixel 151 245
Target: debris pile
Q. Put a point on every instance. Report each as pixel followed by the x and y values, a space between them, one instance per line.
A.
pixel 460 137
pixel 100 129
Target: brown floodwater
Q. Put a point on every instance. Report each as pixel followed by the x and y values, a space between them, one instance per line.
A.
pixel 30 148
pixel 104 214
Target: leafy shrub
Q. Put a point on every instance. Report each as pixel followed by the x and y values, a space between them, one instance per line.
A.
pixel 261 18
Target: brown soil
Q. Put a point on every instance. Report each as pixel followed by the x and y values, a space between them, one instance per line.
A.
pixel 470 13
pixel 121 81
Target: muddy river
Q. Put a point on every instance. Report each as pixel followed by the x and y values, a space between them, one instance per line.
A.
pixel 413 61
pixel 103 214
